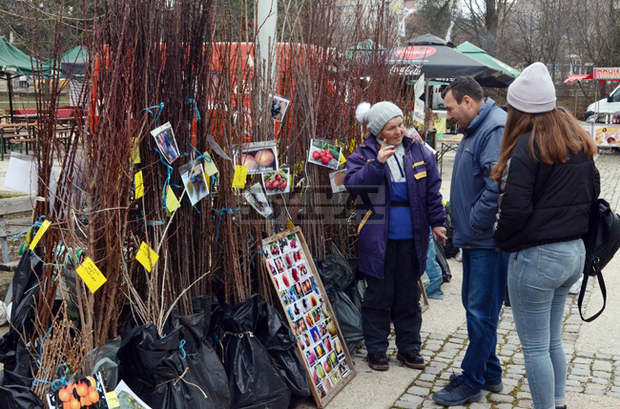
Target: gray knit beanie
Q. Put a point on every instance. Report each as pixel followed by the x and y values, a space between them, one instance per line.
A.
pixel 533 91
pixel 377 116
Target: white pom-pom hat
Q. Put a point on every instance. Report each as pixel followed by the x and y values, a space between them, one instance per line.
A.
pixel 377 116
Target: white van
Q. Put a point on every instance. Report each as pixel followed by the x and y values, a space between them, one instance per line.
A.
pixel 609 105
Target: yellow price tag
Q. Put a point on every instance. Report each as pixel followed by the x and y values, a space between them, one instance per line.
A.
pixel 135 152
pixel 240 176
pixel 46 224
pixel 112 400
pixel 289 224
pixel 210 168
pixel 92 276
pixel 342 159
pixel 172 203
pixel 139 185
pixel 147 256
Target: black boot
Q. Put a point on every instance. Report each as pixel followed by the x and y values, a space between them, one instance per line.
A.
pixel 411 359
pixel 378 361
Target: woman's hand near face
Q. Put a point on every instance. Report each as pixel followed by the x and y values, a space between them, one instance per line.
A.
pixel 385 152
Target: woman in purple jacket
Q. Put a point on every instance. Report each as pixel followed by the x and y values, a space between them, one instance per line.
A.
pixel 396 184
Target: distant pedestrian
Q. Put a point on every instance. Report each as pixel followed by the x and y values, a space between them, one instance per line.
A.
pixel 473 204
pixel 548 181
pixel 396 182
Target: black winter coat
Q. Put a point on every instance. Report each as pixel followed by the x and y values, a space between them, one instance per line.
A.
pixel 542 203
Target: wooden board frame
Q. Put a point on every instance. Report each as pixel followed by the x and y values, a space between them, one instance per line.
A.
pixel 305 302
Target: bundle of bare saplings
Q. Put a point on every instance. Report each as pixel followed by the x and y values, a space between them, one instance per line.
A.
pixel 157 199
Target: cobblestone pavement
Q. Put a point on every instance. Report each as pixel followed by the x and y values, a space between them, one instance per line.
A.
pixel 608 165
pixel 593 374
pixel 588 373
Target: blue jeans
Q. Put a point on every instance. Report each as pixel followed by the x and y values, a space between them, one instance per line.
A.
pixel 538 280
pixel 483 292
pixel 433 271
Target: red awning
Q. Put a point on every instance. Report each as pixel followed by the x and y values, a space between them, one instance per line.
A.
pixel 578 77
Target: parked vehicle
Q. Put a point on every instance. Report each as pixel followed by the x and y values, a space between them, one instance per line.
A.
pixel 605 106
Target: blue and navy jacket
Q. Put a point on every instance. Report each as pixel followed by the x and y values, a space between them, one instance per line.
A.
pixel 473 194
pixel 369 180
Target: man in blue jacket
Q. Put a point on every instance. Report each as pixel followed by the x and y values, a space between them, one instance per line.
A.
pixel 396 182
pixel 473 200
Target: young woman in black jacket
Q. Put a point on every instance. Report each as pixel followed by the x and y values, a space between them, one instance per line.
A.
pixel 547 183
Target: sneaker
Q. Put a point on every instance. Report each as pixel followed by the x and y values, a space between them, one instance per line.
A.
pixel 491 386
pixel 378 361
pixel 456 393
pixel 411 359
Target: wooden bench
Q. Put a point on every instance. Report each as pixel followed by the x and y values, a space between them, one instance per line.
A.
pixel 13 206
pixel 13 131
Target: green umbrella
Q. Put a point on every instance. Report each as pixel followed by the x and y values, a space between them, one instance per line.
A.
pixel 74 61
pixel 75 55
pixel 480 55
pixel 13 63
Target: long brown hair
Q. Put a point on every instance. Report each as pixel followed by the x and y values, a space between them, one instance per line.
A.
pixel 555 135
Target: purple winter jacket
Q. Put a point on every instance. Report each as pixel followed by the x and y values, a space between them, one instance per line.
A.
pixel 369 180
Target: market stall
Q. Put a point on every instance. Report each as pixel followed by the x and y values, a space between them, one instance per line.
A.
pixel 431 56
pixel 603 120
pixel 507 73
pixel 14 63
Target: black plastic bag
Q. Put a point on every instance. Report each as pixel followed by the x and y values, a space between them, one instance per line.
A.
pixel 15 392
pixel 14 356
pixel 107 362
pixel 178 371
pixel 253 381
pixel 335 271
pixel 281 343
pixel 440 256
pixel 204 303
pixel 449 249
pixel 349 318
pixel 25 287
pixel 16 380
pixel 265 322
pixel 338 279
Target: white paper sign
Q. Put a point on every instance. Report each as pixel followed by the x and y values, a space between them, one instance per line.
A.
pixel 128 399
pixel 21 174
pixel 418 111
pixel 418 88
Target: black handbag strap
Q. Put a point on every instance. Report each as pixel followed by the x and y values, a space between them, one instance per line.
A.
pixel 582 293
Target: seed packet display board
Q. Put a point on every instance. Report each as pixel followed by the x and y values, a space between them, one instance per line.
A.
pixel 320 342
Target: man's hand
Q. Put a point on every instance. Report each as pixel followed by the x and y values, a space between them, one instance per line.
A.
pixel 385 152
pixel 440 234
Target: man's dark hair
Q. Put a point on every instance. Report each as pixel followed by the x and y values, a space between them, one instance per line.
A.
pixel 462 86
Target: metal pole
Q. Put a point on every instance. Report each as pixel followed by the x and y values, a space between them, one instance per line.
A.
pixel 266 18
pixel 10 87
pixel 426 108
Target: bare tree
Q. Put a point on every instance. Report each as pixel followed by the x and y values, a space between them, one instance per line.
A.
pixel 594 33
pixel 432 16
pixel 483 21
pixel 538 32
